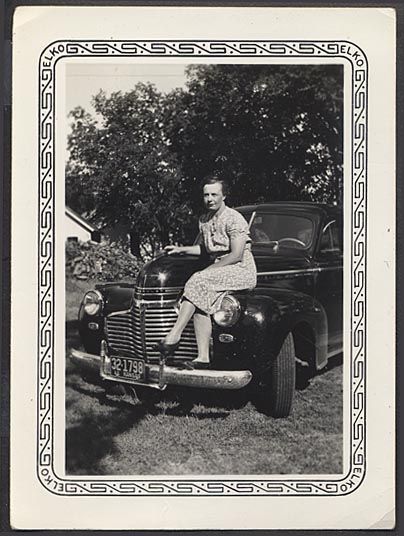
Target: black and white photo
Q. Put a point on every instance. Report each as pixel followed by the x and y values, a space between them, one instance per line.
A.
pixel 141 169
pixel 202 304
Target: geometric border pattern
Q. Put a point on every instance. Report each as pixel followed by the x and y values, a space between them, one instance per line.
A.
pixel 340 485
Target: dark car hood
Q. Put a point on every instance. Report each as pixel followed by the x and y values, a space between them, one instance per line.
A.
pixel 169 270
pixel 175 270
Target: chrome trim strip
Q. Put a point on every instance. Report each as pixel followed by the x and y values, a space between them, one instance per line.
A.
pixel 328 225
pixel 334 352
pixel 116 313
pixel 251 219
pixel 301 271
pixel 158 290
pixel 138 303
pixel 289 272
pixel 330 268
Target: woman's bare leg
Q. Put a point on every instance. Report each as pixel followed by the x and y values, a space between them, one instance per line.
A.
pixel 203 332
pixel 187 309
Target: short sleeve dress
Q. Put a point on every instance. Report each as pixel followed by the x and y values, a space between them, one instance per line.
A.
pixel 205 289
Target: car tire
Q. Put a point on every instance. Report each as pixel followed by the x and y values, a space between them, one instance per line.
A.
pixel 274 391
pixel 283 379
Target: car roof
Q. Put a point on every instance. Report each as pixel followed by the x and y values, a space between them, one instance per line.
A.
pixel 294 206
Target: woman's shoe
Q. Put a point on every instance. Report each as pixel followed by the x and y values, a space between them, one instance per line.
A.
pixel 166 349
pixel 197 365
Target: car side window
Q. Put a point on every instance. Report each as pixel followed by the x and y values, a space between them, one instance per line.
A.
pixel 331 239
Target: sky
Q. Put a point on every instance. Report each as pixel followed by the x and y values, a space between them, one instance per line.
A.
pixel 84 80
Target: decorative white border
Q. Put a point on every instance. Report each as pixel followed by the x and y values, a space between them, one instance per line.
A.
pixel 46 247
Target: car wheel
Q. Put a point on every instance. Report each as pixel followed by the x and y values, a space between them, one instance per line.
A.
pixel 275 393
pixel 283 379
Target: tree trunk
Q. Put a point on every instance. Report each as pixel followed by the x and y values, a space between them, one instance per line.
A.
pixel 135 244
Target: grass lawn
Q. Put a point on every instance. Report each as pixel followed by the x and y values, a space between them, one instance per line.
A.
pixel 197 432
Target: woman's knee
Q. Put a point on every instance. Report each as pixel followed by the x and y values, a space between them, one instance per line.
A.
pixel 193 283
pixel 201 312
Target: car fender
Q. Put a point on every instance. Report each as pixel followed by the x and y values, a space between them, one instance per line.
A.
pixel 269 314
pixel 116 297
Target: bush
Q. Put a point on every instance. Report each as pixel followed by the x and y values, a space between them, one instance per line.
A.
pixel 104 262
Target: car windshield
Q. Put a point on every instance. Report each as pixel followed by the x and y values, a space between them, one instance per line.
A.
pixel 281 229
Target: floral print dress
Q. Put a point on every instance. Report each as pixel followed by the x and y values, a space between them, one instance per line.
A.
pixel 205 289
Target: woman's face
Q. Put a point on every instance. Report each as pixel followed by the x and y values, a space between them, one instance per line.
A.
pixel 213 196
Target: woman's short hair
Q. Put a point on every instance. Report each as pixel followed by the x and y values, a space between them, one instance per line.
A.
pixel 213 179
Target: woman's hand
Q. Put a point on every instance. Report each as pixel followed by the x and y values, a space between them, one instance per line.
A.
pixel 173 250
pixel 183 250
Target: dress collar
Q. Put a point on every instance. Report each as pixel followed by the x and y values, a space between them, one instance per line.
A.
pixel 219 211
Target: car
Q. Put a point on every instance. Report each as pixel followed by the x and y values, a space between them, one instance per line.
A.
pixel 292 318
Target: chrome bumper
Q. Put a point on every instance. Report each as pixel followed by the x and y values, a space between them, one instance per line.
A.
pixel 160 377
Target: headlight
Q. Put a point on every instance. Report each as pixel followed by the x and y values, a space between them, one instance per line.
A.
pixel 92 302
pixel 229 311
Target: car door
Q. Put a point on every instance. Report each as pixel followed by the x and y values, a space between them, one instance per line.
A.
pixel 329 280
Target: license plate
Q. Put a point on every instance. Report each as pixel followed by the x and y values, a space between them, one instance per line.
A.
pixel 128 368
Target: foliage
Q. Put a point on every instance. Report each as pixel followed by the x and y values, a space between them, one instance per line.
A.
pixel 125 170
pixel 275 131
pixel 104 262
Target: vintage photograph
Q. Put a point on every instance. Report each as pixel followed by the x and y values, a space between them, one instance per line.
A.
pixel 204 268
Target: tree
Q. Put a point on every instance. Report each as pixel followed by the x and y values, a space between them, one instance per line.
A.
pixel 275 131
pixel 124 169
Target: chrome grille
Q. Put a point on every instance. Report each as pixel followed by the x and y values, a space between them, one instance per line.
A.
pixel 124 334
pixel 134 332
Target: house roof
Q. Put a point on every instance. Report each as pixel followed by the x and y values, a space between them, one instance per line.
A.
pixel 79 220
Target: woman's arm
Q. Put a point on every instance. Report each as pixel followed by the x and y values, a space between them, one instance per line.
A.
pixel 184 250
pixel 237 244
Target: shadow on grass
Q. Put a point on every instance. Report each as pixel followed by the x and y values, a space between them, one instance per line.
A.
pixel 174 402
pixel 98 415
pixel 72 341
pixel 91 440
pixel 94 437
pixel 72 334
pixel 305 374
